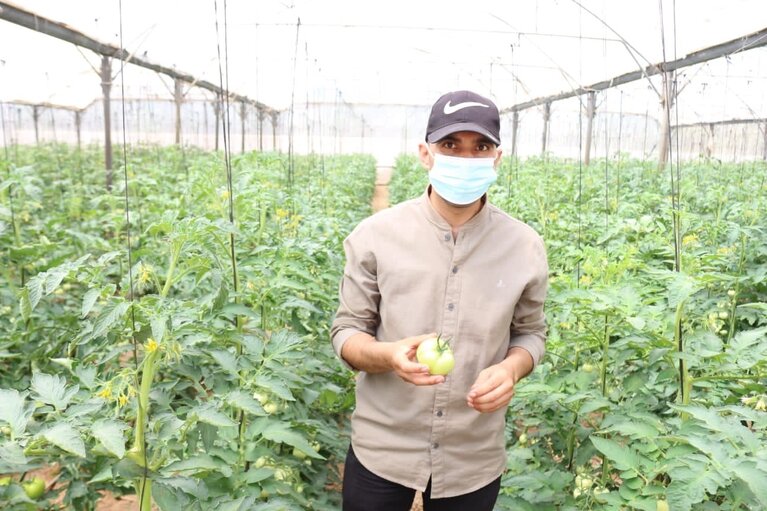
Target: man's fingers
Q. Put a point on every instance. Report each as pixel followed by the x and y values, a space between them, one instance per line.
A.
pixel 427 379
pixel 418 339
pixel 485 383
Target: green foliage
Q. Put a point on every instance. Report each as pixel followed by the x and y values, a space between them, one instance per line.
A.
pixel 232 376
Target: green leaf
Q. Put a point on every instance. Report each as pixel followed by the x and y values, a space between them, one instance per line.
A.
pixel 111 314
pixel 159 325
pixel 188 485
pixel 54 277
pixel 65 437
pixel 275 386
pixel 89 300
pixel 25 305
pixel 280 433
pixel 258 474
pixel 213 417
pixel 593 405
pixel 755 479
pixel 35 289
pixel 53 390
pixel 623 457
pixel 13 454
pixel 105 474
pixel 200 463
pixel 110 434
pixel 689 485
pixel 226 359
pixel 14 410
pixel 244 401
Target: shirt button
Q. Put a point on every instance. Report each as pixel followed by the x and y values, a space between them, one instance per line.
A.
pixel 447 237
pixel 450 306
pixel 455 269
pixel 439 413
pixel 435 445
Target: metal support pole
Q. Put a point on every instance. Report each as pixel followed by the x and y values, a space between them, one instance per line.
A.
pixel 243 113
pixel 78 128
pixel 514 132
pixel 764 138
pixel 178 98
pixel 36 119
pixel 666 102
pixel 260 130
pixel 591 106
pixel 106 87
pixel 217 110
pixel 546 118
pixel 274 131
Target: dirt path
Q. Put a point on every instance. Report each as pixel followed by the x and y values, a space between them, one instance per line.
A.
pixel 381 194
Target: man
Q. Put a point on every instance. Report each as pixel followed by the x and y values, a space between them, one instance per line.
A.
pixel 450 263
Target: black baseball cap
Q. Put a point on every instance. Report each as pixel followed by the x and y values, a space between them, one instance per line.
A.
pixel 463 110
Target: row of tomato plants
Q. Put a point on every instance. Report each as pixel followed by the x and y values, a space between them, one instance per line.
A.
pixel 652 394
pixel 200 375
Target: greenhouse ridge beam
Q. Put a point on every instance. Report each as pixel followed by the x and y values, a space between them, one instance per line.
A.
pixel 747 42
pixel 13 14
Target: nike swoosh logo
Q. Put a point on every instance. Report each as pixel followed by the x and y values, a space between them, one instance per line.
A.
pixel 451 109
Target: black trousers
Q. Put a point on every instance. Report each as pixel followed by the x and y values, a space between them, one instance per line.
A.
pixel 365 491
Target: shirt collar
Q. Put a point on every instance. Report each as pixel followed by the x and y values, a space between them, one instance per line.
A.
pixel 435 218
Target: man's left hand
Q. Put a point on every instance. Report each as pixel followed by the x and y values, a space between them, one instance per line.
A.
pixel 493 389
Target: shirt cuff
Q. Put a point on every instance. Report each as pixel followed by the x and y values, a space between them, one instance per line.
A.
pixel 338 343
pixel 532 343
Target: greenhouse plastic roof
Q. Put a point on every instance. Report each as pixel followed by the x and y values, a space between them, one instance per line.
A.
pixel 393 52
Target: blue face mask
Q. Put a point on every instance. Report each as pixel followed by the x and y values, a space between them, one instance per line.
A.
pixel 461 181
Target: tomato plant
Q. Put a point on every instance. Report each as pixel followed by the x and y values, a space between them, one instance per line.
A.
pixel 180 402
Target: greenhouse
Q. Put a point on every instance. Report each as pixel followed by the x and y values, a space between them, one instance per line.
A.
pixel 216 276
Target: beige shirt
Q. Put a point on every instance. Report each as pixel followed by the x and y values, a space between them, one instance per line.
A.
pixel 406 276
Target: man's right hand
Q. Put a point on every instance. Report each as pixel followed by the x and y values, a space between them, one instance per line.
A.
pixel 405 365
pixel 364 353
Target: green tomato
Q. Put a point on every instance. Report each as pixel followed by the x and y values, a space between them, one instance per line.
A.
pixel 437 355
pixel 523 438
pixel 583 483
pixel 298 453
pixel 587 368
pixel 270 407
pixel 661 505
pixel 282 474
pixel 5 481
pixel 34 488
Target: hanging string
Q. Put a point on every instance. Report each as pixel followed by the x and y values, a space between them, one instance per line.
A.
pixel 291 159
pixel 669 95
pixel 580 155
pixel 131 297
pixel 226 132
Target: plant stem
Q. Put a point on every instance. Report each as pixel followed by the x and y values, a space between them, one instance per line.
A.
pixel 605 354
pixel 175 253
pixel 684 376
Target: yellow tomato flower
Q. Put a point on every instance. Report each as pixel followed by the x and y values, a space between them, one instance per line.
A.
pixel 151 345
pixel 105 393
